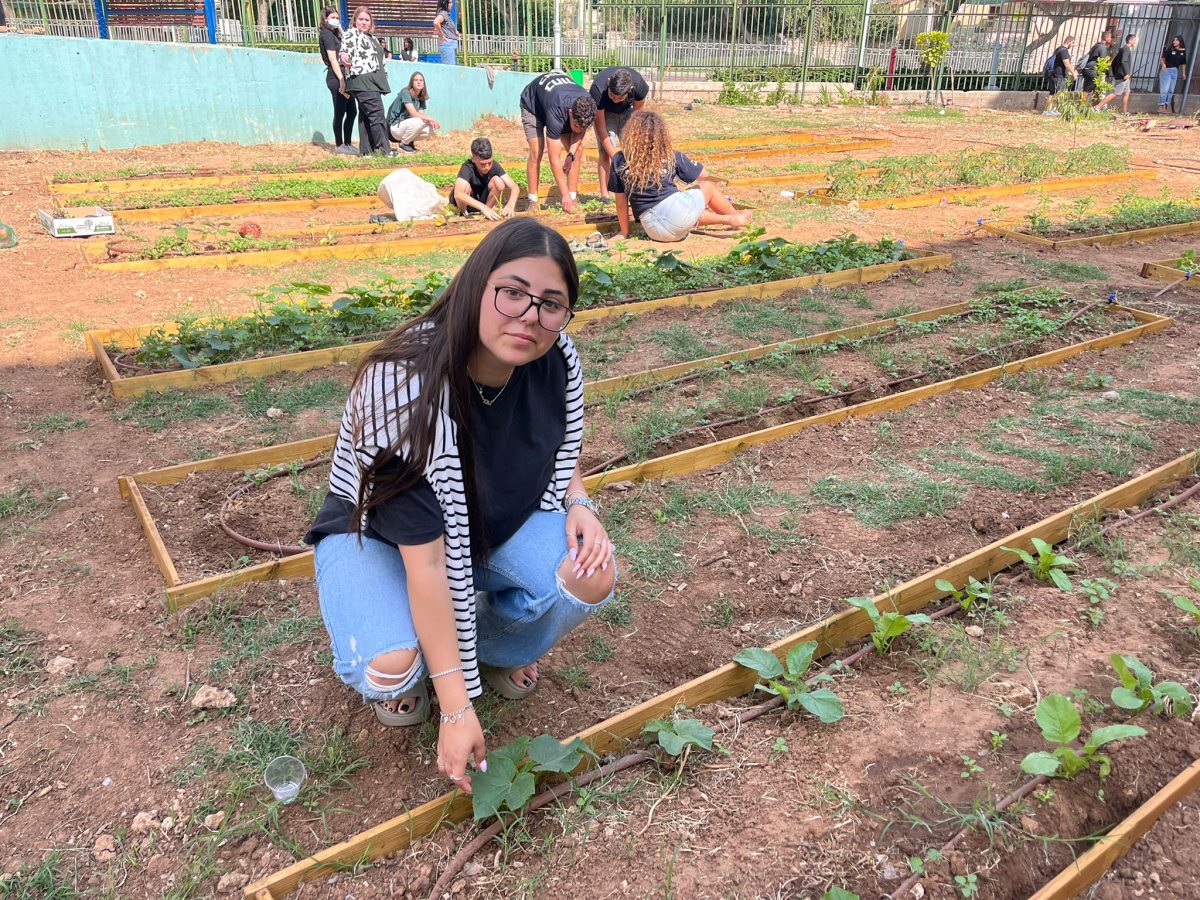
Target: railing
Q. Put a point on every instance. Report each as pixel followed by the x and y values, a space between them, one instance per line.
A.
pixel 862 43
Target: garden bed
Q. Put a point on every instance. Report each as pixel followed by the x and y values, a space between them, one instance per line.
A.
pixel 909 737
pixel 1131 218
pixel 1179 272
pixel 300 324
pixel 181 592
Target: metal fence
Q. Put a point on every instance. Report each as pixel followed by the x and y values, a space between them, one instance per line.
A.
pixel 859 43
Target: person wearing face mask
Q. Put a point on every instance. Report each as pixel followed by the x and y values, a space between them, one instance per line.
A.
pixel 345 110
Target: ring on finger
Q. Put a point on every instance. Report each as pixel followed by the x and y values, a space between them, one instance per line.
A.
pixel 455 777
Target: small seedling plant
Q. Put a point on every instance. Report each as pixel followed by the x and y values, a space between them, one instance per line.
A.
pixel 1187 604
pixel 1138 690
pixel 1097 590
pixel 975 592
pixel 791 681
pixel 888 625
pixel 1061 725
pixel 1047 565
pixel 511 777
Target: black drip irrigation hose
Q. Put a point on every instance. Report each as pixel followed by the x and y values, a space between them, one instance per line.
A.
pixel 277 547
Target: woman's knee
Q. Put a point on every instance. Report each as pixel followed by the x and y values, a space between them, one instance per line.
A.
pixel 392 669
pixel 589 589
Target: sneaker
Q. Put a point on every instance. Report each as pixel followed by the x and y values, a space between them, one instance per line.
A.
pixel 1051 112
pixel 408 148
pixel 345 150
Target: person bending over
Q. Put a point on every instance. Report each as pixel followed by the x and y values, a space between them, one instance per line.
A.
pixel 618 92
pixel 456 470
pixel 555 107
pixel 481 184
pixel 643 177
pixel 406 116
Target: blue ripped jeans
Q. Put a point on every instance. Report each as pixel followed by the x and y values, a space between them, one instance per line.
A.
pixel 526 610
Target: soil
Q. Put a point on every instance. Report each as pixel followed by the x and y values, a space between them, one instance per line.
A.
pixel 114 734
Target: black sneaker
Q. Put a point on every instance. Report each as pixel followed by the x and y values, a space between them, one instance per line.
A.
pixel 408 148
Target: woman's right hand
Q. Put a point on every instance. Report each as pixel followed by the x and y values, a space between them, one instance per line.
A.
pixel 459 743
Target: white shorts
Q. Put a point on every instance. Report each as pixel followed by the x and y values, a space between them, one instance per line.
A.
pixel 1121 88
pixel 674 216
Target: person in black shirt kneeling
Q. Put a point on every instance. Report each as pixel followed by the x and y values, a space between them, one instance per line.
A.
pixel 481 184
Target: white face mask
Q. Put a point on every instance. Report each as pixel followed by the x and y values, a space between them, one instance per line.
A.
pixel 334 22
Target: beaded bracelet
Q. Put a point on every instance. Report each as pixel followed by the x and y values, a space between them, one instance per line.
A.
pixel 453 718
pixel 447 672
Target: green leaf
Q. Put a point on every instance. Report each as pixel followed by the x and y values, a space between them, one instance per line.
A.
pixel 675 736
pixel 943 585
pixel 500 787
pixel 866 604
pixel 1059 720
pixel 1061 581
pixel 765 663
pixel 1127 678
pixel 1025 557
pixel 837 893
pixel 1140 671
pixel 800 657
pixel 824 704
pixel 1181 700
pixel 1187 606
pixel 181 355
pixel 1110 733
pixel 1127 699
pixel 514 751
pixel 1040 763
pixel 550 755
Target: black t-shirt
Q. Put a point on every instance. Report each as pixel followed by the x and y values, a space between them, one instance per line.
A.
pixel 1122 64
pixel 1061 57
pixel 1174 58
pixel 477 180
pixel 686 169
pixel 330 40
pixel 549 98
pixel 1099 51
pixel 516 440
pixel 599 90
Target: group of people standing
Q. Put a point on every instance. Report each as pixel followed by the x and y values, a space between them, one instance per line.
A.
pixel 356 75
pixel 1062 71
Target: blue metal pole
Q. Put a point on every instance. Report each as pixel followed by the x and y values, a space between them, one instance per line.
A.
pixel 101 18
pixel 210 20
pixel 345 5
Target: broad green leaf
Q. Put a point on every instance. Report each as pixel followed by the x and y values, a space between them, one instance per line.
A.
pixel 1127 699
pixel 1041 546
pixel 1127 678
pixel 765 663
pixel 1061 581
pixel 1109 733
pixel 1140 671
pixel 1105 764
pixel 1187 606
pixel 1181 700
pixel 943 585
pixel 674 736
pixel 919 619
pixel 1071 763
pixel 549 755
pixel 492 790
pixel 866 604
pixel 1059 720
pixel 824 704
pixel 800 657
pixel 1040 763
pixel 1023 554
pixel 837 893
pixel 514 751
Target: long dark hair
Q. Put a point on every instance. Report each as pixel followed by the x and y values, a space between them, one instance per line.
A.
pixel 326 13
pixel 443 6
pixel 424 95
pixel 434 349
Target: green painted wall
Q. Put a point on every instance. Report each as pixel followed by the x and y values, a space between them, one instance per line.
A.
pixel 99 94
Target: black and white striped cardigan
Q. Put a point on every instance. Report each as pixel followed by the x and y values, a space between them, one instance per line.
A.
pixel 379 402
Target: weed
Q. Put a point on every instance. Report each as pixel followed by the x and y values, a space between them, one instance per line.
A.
pixel 18 659
pixel 27 502
pixel 1179 537
pixel 1060 725
pixel 967 884
pixel 974 592
pixel 952 656
pixel 790 682
pixel 778 749
pixel 1096 590
pixel 575 675
pixel 1058 270
pixel 161 409
pixel 721 614
pixel 998 739
pixel 618 612
pixel 599 648
pixel 52 879
pixel 322 393
pixel 906 495
pixel 53 423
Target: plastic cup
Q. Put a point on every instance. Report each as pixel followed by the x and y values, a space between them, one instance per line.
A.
pixel 284 775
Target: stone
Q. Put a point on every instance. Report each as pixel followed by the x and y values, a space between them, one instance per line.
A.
pixel 209 697
pixel 472 869
pixel 215 821
pixel 104 849
pixel 974 631
pixel 1110 396
pixel 232 881
pixel 167 824
pixel 274 412
pixel 144 822
pixel 60 665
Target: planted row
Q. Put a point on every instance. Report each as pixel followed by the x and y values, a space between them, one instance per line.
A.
pixel 897 176
pixel 1129 213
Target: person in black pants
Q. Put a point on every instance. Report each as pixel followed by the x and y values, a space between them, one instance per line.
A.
pixel 364 55
pixel 345 110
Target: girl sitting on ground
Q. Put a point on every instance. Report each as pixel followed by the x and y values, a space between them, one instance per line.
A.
pixel 456 470
pixel 643 177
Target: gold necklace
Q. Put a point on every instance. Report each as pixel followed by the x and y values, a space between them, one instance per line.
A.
pixel 479 390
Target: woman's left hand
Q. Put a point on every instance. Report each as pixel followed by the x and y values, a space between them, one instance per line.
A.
pixel 588 542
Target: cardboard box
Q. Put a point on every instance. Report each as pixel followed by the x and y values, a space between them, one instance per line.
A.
pixel 81 222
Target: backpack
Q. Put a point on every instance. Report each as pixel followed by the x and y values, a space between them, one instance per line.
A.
pixel 1048 68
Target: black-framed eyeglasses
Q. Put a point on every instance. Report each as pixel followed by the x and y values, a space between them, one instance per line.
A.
pixel 514 303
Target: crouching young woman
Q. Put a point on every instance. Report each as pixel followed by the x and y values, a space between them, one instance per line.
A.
pixel 457 543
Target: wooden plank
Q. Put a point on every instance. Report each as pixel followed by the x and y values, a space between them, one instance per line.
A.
pixel 107 369
pixel 136 385
pixel 964 195
pixel 1167 270
pixel 680 463
pixel 731 680
pixel 277 454
pixel 1101 240
pixel 167 184
pixel 129 490
pixel 1089 868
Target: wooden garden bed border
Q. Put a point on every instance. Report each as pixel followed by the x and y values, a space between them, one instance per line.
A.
pixel 136 385
pixel 962 195
pixel 1092 866
pixel 732 680
pixel 1008 230
pixel 1166 270
pixel 180 594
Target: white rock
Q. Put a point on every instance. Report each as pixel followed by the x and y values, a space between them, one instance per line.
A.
pixel 167 824
pixel 974 631
pixel 60 665
pixel 105 848
pixel 274 412
pixel 143 822
pixel 1110 396
pixel 234 881
pixel 209 697
pixel 215 821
